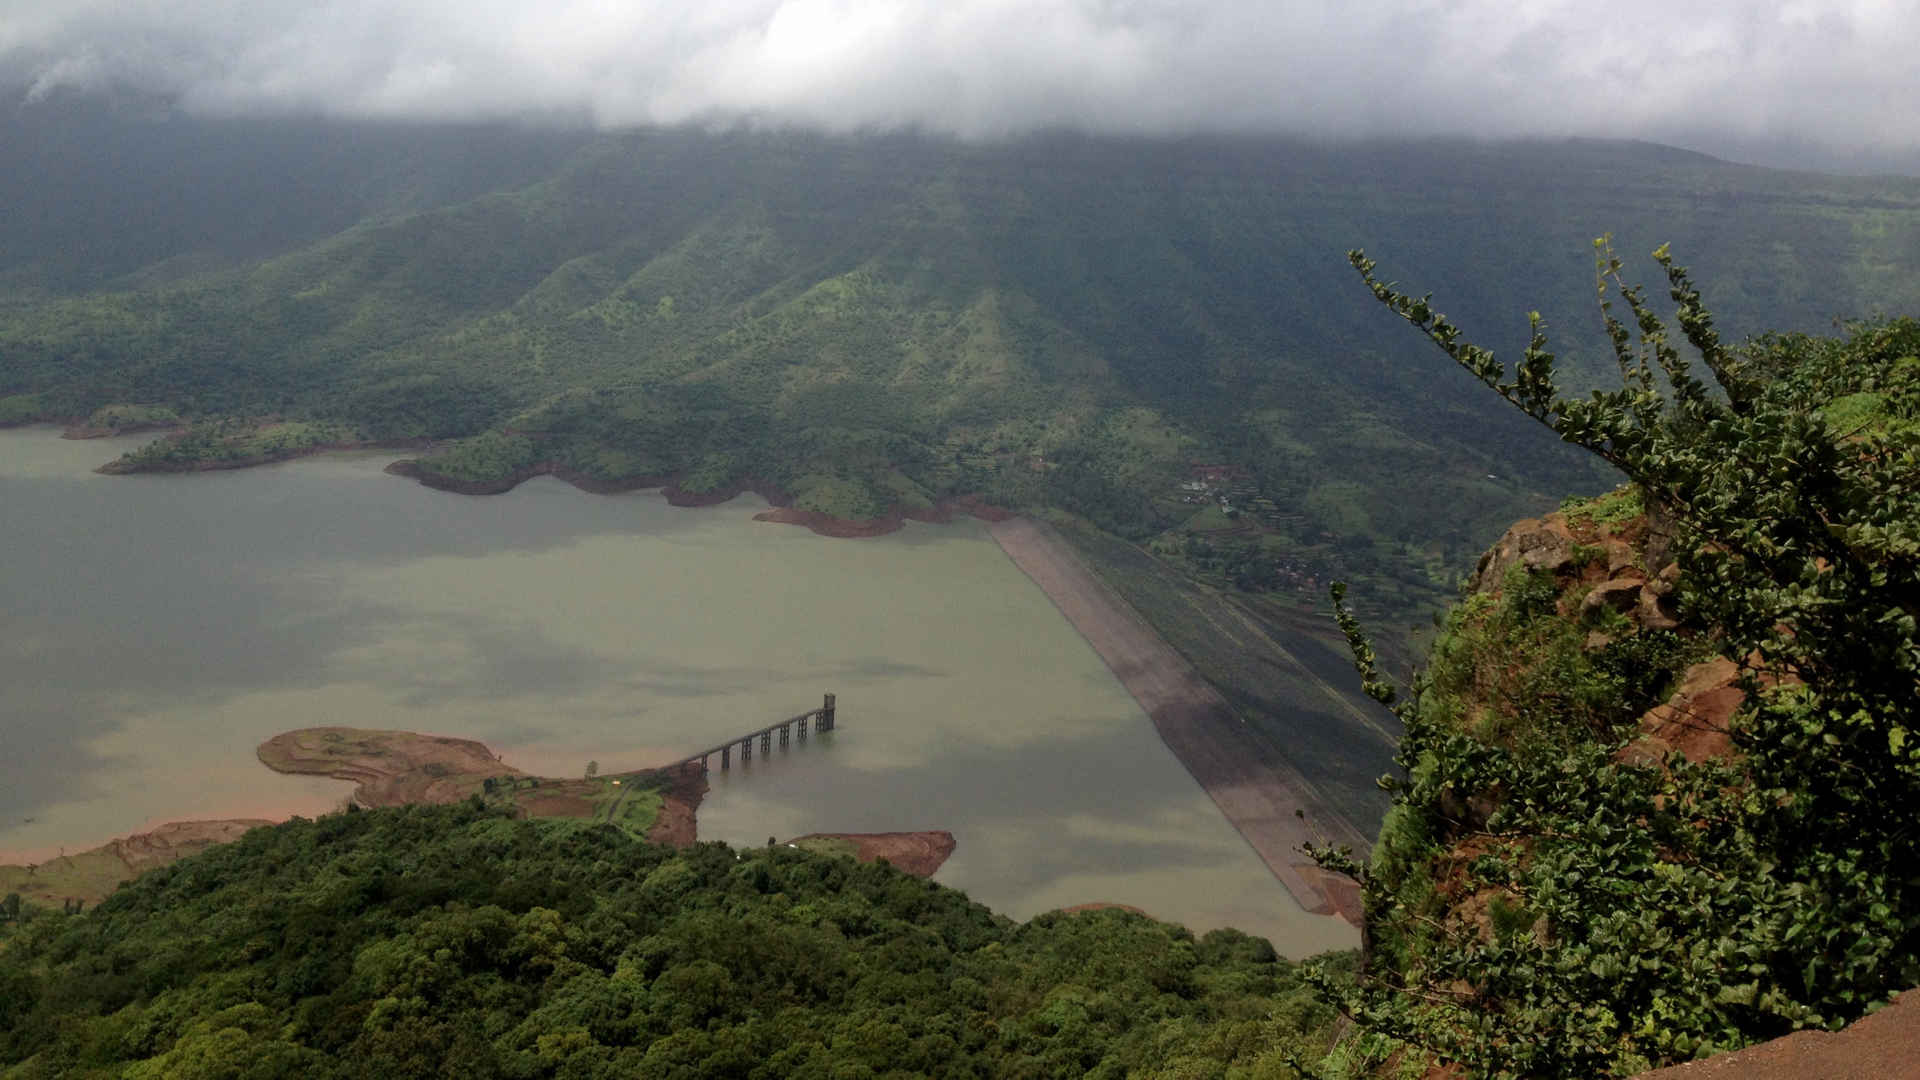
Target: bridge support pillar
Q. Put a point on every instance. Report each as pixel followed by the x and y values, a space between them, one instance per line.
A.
pixel 826 714
pixel 746 749
pixel 766 743
pixel 783 736
pixel 726 757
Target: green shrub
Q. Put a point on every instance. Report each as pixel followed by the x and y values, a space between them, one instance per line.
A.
pixel 1687 907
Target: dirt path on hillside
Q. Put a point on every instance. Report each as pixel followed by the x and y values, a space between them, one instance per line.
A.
pixel 1275 808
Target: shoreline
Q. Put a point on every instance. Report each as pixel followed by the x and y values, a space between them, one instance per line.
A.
pixel 118 466
pixel 1273 807
pixel 400 768
pixel 783 511
pixel 388 768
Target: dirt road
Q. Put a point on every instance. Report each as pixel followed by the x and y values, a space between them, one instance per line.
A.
pixel 1275 808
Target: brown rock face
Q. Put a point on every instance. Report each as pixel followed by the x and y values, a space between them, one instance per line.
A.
pixel 1620 556
pixel 1694 721
pixel 1655 611
pixel 1621 594
pixel 1540 544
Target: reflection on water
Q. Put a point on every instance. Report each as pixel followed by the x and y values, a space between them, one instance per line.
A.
pixel 154 629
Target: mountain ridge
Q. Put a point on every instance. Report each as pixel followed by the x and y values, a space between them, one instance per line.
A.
pixel 876 323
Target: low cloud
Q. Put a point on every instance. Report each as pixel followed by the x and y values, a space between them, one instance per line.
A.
pixel 1817 71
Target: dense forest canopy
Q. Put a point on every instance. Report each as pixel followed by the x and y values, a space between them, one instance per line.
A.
pixel 454 941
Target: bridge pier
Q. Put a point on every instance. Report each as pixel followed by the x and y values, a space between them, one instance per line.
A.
pixel 814 721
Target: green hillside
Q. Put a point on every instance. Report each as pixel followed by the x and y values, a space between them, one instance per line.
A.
pixel 452 941
pixel 1659 779
pixel 875 323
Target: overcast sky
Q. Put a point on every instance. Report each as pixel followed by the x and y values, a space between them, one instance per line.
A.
pixel 1827 72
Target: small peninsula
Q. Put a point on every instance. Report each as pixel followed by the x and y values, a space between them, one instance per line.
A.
pixel 400 768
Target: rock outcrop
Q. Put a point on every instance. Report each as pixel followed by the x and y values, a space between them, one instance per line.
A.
pixel 1694 720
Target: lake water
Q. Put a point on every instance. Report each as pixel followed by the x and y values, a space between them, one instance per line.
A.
pixel 154 629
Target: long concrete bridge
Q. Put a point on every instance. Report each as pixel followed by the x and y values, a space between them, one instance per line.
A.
pixel 787 730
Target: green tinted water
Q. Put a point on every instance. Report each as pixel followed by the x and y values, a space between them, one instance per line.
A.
pixel 154 629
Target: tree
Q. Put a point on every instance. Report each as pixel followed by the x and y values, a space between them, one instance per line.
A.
pixel 593 769
pixel 1673 910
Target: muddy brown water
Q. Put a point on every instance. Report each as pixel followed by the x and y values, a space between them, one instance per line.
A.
pixel 154 629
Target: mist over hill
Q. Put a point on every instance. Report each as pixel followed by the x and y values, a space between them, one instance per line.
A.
pixel 877 322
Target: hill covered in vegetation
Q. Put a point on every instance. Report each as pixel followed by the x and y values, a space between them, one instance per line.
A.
pixel 457 941
pixel 1660 779
pixel 868 324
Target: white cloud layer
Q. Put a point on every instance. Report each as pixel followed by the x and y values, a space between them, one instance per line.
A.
pixel 1834 72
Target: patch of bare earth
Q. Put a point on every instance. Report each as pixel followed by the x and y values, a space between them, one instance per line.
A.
pixel 1884 1046
pixel 917 853
pixel 677 824
pixel 391 767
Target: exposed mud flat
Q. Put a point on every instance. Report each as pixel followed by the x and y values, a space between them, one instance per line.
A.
pixel 918 853
pixel 394 768
pixel 389 768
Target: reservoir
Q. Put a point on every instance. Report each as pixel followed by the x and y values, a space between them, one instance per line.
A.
pixel 155 629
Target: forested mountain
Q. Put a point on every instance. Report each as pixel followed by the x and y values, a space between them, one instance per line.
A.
pixel 1658 781
pixel 875 322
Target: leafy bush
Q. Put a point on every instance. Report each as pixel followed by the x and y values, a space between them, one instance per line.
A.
pixel 1681 907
